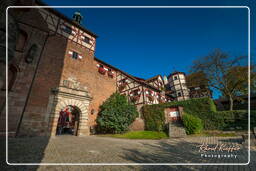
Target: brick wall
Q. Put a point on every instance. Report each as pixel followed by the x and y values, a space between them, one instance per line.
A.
pixel 56 65
pixel 19 92
pixel 85 70
pixel 35 119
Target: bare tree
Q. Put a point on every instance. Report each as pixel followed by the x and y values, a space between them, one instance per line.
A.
pixel 224 73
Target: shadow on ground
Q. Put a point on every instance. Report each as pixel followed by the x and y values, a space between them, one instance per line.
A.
pixel 22 150
pixel 185 152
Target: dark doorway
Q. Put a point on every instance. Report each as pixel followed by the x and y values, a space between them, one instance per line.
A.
pixel 68 122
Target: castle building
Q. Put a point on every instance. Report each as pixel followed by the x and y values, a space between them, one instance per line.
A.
pixel 53 70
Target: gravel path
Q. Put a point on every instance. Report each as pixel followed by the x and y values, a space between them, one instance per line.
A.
pixel 93 149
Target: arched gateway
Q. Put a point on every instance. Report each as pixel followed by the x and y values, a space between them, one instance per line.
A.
pixel 68 121
pixel 70 94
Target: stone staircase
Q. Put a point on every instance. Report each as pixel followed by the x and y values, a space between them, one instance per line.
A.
pixel 176 130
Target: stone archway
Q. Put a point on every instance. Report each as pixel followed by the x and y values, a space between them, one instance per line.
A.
pixel 65 95
pixel 68 121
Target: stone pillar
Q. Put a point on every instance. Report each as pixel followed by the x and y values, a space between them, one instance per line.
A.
pixel 180 109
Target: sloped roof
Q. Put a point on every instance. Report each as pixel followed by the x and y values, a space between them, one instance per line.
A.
pixel 137 79
pixel 54 11
pixel 153 78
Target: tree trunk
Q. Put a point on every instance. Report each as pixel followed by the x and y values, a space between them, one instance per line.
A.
pixel 230 102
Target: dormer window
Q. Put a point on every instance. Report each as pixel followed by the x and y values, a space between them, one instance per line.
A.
pixel 175 77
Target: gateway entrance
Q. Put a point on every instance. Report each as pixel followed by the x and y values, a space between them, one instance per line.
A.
pixel 68 121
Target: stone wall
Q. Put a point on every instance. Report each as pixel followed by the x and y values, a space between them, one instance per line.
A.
pixel 137 125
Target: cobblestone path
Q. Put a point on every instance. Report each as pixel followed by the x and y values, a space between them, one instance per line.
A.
pixel 93 149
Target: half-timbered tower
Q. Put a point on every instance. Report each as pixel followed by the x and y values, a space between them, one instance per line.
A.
pixel 177 86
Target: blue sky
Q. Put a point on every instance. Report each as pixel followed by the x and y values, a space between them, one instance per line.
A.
pixel 147 42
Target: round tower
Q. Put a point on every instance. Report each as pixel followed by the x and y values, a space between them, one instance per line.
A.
pixel 177 85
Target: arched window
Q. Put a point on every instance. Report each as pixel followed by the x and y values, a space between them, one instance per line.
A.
pixel 21 41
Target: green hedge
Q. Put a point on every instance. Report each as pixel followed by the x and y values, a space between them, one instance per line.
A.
pixel 203 108
pixel 194 106
pixel 154 118
pixel 154 114
pixel 237 119
pixel 193 124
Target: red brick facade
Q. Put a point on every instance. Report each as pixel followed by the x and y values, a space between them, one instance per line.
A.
pixel 33 101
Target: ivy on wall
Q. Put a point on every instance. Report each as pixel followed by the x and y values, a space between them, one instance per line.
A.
pixel 203 108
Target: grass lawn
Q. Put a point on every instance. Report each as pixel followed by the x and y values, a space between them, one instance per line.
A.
pixel 139 135
pixel 216 133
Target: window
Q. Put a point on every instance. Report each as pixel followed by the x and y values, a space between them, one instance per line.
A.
pixel 86 39
pixel 101 66
pixel 179 94
pixel 21 41
pixel 175 77
pixel 75 55
pixel 67 29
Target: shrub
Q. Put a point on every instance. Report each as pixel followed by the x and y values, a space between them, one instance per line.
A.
pixel 223 120
pixel 193 124
pixel 238 118
pixel 116 114
pixel 154 118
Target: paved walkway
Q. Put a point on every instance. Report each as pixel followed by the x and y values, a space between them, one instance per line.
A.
pixel 93 149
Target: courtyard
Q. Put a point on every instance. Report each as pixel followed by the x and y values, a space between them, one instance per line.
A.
pixel 94 149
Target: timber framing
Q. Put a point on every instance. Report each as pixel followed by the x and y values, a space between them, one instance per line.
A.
pixel 147 91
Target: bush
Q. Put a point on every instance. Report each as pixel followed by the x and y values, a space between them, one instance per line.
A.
pixel 223 120
pixel 193 124
pixel 154 118
pixel 238 118
pixel 116 114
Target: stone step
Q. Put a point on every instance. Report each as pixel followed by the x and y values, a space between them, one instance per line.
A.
pixel 176 130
